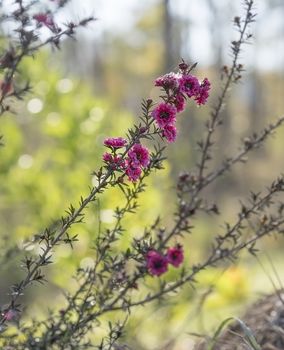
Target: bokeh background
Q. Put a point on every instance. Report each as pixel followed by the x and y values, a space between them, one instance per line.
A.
pixel 92 88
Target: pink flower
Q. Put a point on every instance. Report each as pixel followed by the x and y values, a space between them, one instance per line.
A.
pixel 115 162
pixel 133 173
pixel 175 255
pixel 170 133
pixel 189 85
pixel 107 157
pixel 138 156
pixel 45 19
pixel 179 102
pixel 5 87
pixel 203 94
pixel 167 81
pixel 164 114
pixel 115 142
pixel 9 315
pixel 157 264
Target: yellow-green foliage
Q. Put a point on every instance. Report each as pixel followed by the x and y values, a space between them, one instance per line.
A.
pixel 52 146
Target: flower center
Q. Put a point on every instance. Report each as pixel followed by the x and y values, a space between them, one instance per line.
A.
pixel 188 85
pixel 175 255
pixel 158 264
pixel 164 115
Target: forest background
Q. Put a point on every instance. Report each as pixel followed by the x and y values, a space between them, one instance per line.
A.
pixel 93 89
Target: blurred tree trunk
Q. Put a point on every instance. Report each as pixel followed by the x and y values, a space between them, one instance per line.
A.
pixel 169 60
pixel 226 136
pixel 215 27
pixel 216 24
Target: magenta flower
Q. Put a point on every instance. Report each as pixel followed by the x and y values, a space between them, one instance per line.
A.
pixel 189 85
pixel 45 19
pixel 115 162
pixel 203 94
pixel 5 87
pixel 133 173
pixel 115 142
pixel 157 264
pixel 179 102
pixel 107 157
pixel 9 315
pixel 164 114
pixel 170 133
pixel 167 81
pixel 175 255
pixel 138 156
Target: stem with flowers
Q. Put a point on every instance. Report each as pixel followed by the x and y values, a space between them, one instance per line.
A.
pixel 108 286
pixel 125 158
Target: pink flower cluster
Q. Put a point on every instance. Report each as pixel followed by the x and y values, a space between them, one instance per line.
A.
pixel 178 87
pixel 157 263
pixel 137 157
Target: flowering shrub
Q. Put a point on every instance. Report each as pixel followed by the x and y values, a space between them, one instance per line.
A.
pixel 164 115
pixel 108 286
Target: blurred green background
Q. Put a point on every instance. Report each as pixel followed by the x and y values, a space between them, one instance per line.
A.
pixel 93 88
